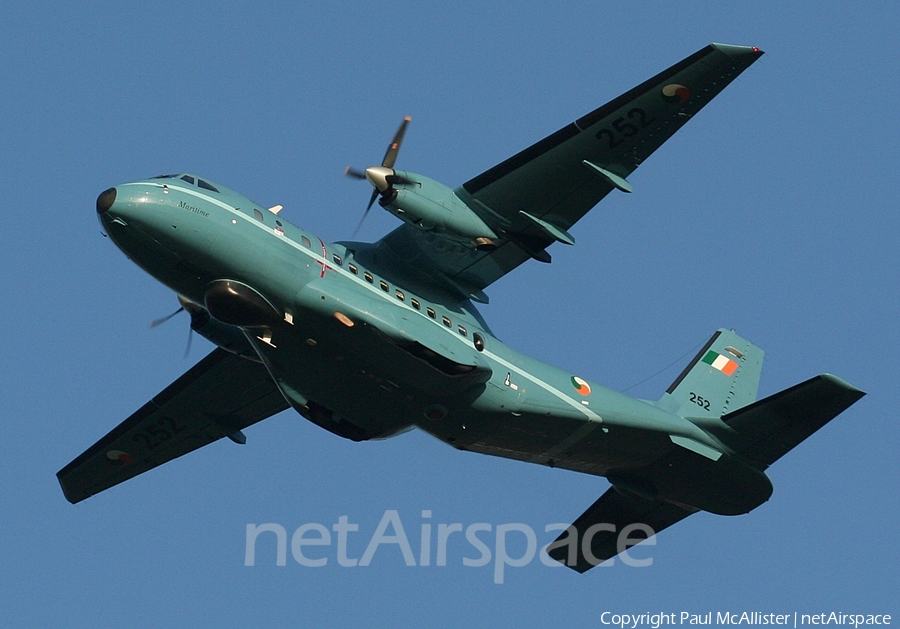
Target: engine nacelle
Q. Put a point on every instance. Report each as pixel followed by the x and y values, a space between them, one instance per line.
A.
pixel 228 337
pixel 431 206
pixel 235 303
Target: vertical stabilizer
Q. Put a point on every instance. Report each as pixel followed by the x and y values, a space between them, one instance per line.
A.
pixel 722 378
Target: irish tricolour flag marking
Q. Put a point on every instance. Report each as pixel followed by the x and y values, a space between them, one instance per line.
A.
pixel 722 363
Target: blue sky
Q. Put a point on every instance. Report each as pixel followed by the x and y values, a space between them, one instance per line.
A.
pixel 773 212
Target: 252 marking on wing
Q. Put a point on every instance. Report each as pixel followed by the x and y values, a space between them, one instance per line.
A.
pixel 622 129
pixel 154 436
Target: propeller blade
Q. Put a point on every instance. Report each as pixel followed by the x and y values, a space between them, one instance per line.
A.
pixel 365 214
pixel 353 173
pixel 198 317
pixel 162 320
pixel 187 350
pixel 371 202
pixel 390 157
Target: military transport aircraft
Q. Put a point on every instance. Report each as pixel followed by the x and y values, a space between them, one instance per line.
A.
pixel 368 340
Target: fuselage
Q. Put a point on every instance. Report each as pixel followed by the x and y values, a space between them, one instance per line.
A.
pixel 361 348
pixel 368 340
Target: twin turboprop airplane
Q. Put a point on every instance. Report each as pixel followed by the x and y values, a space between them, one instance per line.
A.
pixel 368 340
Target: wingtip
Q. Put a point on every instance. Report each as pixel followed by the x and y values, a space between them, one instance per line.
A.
pixel 738 51
pixel 858 393
pixel 68 492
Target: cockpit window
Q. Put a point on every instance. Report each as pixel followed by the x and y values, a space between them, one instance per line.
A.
pixel 191 180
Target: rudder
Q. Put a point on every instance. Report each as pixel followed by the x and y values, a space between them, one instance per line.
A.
pixel 722 377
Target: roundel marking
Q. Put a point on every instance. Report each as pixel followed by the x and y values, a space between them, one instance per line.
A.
pixel 119 457
pixel 581 386
pixel 675 93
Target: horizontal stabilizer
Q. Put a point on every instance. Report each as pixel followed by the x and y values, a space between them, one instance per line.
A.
pixel 614 511
pixel 216 398
pixel 773 426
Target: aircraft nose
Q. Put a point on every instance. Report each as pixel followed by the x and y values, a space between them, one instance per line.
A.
pixel 105 200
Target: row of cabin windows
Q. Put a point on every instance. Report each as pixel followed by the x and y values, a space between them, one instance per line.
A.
pixel 479 340
pixel 399 294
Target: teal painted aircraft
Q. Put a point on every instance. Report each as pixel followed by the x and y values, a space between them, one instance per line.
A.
pixel 368 340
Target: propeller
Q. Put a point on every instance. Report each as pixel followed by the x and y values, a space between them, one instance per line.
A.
pixel 381 177
pixel 162 320
pixel 186 306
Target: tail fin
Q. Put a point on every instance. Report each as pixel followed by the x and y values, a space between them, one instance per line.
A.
pixel 722 378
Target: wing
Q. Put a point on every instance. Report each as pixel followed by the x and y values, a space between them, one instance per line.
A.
pixel 216 398
pixel 610 514
pixel 534 197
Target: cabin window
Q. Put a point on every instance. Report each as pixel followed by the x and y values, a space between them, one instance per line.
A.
pixel 353 269
pixel 415 304
pixel 400 295
pixel 384 286
pixel 337 259
pixel 431 313
pixel 463 331
pixel 206 186
pixel 188 179
pixel 258 215
pixel 306 242
pixel 369 278
pixel 478 341
pixel 447 322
